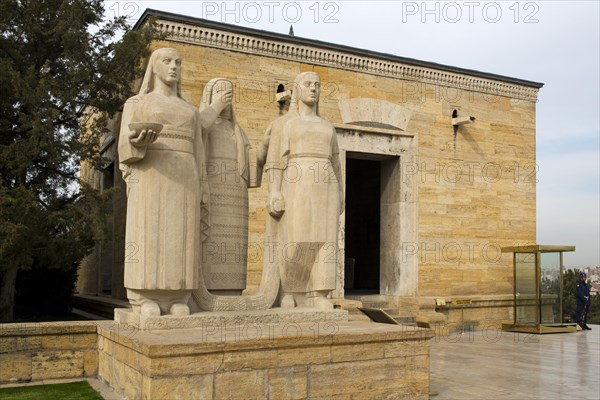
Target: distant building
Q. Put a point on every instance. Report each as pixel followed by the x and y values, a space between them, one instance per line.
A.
pixel 593 274
pixel 431 196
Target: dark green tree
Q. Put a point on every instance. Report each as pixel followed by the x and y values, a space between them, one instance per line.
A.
pixel 594 313
pixel 569 303
pixel 60 62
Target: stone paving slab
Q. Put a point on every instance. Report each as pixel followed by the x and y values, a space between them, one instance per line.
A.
pixel 497 365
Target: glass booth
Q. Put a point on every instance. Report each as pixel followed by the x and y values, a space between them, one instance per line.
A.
pixel 538 289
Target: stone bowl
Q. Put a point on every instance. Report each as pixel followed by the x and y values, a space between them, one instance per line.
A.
pixel 138 127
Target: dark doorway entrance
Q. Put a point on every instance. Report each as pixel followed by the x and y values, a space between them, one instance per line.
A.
pixel 362 231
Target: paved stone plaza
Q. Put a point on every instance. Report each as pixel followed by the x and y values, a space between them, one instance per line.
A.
pixel 506 365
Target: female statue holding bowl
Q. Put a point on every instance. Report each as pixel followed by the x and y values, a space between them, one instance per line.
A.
pixel 159 140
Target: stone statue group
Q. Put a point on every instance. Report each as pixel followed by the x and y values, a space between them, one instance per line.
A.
pixel 188 171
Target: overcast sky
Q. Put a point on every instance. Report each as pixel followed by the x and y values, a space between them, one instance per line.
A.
pixel 554 42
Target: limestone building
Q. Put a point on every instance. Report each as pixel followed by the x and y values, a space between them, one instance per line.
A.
pixel 438 162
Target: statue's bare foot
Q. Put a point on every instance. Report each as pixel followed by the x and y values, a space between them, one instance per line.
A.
pixel 287 301
pixel 320 301
pixel 180 309
pixel 323 304
pixel 150 309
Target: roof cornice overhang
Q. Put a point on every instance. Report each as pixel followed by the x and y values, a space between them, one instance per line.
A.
pixel 203 32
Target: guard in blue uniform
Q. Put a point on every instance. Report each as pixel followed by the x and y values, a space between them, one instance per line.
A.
pixel 583 301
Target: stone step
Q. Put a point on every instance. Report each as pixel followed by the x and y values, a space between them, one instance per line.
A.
pixel 350 305
pixel 371 300
pixel 375 304
pixel 404 320
pixel 97 307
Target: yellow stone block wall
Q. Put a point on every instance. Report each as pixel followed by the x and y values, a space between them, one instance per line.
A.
pixel 476 194
pixel 362 360
pixel 48 350
pixel 476 185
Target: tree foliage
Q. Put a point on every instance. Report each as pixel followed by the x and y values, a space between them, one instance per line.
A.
pixel 569 286
pixel 60 62
pixel 594 313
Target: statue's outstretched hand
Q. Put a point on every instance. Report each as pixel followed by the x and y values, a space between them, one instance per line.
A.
pixel 144 138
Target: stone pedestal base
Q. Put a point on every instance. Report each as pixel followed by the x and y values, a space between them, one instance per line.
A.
pixel 229 318
pixel 287 360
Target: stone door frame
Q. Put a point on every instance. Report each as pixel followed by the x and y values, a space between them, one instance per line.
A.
pixel 399 208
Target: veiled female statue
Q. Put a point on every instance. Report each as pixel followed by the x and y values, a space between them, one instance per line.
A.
pixel 160 139
pixel 229 169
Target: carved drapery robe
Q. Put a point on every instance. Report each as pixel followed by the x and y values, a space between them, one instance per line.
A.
pixel 225 251
pixel 163 196
pixel 308 228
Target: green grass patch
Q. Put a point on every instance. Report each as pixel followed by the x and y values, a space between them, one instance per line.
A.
pixel 63 391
